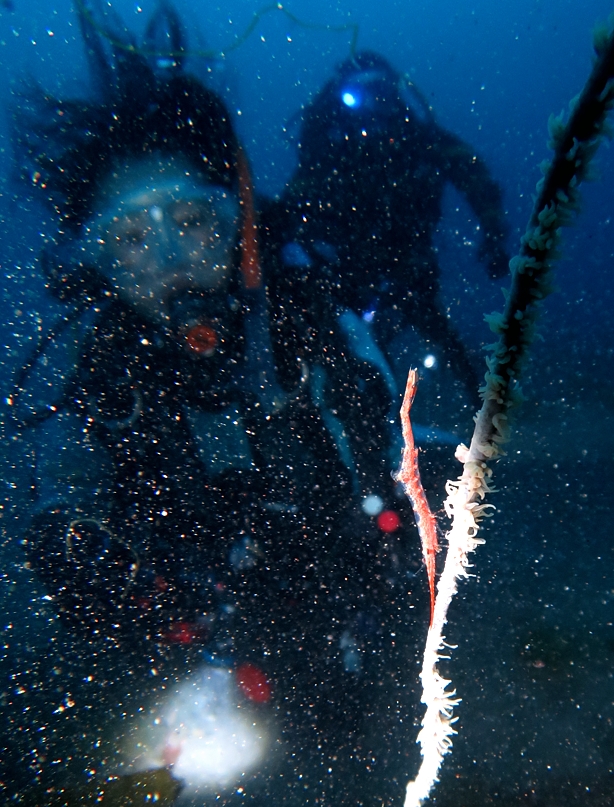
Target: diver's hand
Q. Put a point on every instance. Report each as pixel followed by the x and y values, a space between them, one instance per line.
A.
pixel 83 564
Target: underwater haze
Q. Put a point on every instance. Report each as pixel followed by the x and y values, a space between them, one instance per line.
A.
pixel 493 75
pixel 533 631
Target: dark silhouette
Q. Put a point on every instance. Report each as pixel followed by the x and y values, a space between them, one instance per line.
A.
pixel 358 217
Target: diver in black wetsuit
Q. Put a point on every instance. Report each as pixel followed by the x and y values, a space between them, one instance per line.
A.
pixel 183 494
pixel 358 217
pixel 352 243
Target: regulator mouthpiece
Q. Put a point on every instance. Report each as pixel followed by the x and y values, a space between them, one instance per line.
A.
pixel 201 339
pixel 195 320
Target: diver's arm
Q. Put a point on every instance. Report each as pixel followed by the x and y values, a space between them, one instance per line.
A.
pixel 72 470
pixel 69 541
pixel 470 175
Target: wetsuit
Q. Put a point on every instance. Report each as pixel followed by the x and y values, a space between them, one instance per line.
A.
pixel 357 223
pixel 174 506
pixel 180 477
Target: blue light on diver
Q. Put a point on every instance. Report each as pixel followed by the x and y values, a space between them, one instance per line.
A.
pixel 349 99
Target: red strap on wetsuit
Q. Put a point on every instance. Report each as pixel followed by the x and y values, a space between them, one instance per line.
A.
pixel 250 253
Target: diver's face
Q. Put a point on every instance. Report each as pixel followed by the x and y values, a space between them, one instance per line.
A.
pixel 160 229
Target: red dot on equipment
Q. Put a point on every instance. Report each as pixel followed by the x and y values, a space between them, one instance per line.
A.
pixel 253 683
pixel 388 521
pixel 202 339
pixel 181 633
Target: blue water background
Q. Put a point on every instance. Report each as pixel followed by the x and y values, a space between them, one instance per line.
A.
pixel 493 73
pixel 536 647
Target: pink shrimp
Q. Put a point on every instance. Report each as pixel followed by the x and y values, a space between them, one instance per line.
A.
pixel 409 477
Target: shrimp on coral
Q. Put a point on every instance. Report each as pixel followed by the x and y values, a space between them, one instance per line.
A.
pixel 409 476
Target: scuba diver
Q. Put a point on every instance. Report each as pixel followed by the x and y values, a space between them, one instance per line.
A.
pixel 354 227
pixel 184 492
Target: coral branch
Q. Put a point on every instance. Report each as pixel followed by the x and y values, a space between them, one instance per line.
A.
pixel 574 144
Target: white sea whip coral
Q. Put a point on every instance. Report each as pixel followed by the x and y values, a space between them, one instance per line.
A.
pixel 574 145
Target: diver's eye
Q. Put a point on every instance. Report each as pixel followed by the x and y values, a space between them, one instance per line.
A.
pixel 190 215
pixel 192 220
pixel 133 237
